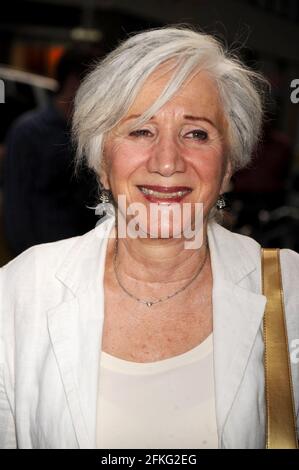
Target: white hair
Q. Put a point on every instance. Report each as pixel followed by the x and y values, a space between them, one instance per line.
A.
pixel 109 90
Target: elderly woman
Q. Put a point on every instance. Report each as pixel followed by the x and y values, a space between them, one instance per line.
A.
pixel 126 337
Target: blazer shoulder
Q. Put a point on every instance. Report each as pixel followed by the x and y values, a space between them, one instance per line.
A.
pixel 38 259
pixel 227 237
pixel 290 258
pixel 289 261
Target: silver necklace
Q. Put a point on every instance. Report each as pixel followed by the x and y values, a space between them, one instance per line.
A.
pixel 152 302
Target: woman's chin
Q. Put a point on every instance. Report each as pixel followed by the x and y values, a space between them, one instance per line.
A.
pixel 161 231
pixel 161 221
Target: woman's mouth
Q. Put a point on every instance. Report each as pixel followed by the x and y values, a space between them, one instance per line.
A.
pixel 164 194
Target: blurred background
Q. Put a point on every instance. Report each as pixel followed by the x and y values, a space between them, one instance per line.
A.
pixel 46 47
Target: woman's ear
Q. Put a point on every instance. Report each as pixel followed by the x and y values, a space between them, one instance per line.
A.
pixel 227 176
pixel 103 173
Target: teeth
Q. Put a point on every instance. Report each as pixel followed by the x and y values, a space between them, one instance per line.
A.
pixel 163 195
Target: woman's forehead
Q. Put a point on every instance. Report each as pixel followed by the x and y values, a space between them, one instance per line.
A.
pixel 198 93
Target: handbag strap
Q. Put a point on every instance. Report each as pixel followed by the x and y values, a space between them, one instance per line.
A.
pixel 280 410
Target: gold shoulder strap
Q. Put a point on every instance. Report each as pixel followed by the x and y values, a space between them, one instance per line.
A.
pixel 280 410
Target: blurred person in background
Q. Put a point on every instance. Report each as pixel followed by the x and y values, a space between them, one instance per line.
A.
pixel 42 200
pixel 263 184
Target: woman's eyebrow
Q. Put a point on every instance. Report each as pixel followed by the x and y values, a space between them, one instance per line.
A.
pixel 200 118
pixel 186 116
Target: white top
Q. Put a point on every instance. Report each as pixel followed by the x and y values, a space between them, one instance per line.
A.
pixel 167 404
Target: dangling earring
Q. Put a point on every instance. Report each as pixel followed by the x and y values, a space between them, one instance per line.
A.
pixel 106 207
pixel 220 204
pixel 105 196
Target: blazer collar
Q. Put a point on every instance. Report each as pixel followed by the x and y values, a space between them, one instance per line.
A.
pixel 84 264
pixel 232 258
pixel 75 328
pixel 76 325
pixel 238 309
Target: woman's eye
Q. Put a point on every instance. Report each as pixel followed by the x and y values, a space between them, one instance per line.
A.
pixel 141 133
pixel 197 134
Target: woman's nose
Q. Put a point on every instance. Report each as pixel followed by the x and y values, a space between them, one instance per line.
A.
pixel 166 157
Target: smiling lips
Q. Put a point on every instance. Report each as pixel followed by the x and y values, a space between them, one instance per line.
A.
pixel 166 194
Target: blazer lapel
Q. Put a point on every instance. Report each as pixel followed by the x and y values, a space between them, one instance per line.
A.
pixel 237 314
pixel 75 327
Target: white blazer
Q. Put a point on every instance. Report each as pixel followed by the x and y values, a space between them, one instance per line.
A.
pixel 52 312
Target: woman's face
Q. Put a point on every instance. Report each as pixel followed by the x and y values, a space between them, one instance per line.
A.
pixel 182 149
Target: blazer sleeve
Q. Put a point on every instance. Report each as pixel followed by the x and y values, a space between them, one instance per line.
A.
pixel 7 423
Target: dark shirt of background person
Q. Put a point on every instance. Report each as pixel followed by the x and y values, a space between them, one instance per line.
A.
pixel 264 184
pixel 42 199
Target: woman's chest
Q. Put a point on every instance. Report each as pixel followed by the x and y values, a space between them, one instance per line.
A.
pixel 146 334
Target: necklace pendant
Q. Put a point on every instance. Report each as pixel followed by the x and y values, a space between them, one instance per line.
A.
pixel 149 304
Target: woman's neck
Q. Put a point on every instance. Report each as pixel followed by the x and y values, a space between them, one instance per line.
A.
pixel 156 261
